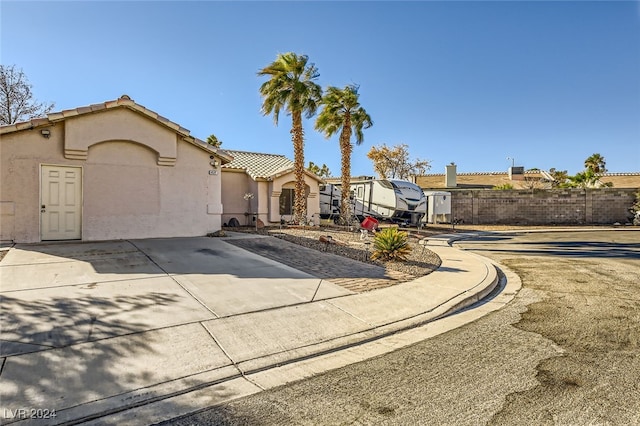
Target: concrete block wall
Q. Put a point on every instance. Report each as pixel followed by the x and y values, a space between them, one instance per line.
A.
pixel 543 207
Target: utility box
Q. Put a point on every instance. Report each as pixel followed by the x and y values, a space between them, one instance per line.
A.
pixel 438 207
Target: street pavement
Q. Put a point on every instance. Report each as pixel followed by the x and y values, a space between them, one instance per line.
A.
pixel 564 351
pixel 140 331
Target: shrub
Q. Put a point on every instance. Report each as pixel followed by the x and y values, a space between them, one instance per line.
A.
pixel 391 244
pixel 635 210
pixel 636 204
pixel 503 187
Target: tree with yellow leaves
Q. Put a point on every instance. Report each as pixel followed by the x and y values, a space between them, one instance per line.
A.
pixel 394 163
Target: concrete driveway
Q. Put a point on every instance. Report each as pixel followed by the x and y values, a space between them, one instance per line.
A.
pixel 90 328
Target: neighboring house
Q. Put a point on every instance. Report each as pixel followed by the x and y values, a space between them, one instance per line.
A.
pixel 114 170
pixel 622 180
pixel 516 176
pixel 271 181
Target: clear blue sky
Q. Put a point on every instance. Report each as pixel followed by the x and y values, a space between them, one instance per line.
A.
pixel 547 83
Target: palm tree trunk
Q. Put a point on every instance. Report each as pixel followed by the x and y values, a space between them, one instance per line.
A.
pixel 345 151
pixel 297 136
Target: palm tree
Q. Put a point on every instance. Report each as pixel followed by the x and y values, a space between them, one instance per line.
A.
pixel 560 177
pixel 214 141
pixel 595 163
pixel 342 113
pixel 291 87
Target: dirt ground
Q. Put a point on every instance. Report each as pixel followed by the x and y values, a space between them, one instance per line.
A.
pixel 591 309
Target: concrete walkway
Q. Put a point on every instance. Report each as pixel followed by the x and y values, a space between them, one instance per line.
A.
pixel 144 330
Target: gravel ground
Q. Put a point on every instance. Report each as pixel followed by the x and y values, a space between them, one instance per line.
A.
pixel 420 262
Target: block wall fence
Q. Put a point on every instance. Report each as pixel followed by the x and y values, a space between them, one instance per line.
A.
pixel 543 207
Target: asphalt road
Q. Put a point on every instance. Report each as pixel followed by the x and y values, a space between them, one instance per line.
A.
pixel 566 351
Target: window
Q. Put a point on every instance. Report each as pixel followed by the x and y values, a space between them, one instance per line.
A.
pixel 286 201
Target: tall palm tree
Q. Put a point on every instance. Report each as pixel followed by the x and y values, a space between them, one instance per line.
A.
pixel 342 113
pixel 291 87
pixel 214 141
pixel 595 163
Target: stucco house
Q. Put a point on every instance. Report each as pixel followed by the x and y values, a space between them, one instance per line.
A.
pixel 270 180
pixel 113 170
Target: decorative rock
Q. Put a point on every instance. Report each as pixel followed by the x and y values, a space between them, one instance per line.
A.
pixel 422 261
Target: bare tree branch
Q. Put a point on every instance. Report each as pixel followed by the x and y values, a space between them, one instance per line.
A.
pixel 16 98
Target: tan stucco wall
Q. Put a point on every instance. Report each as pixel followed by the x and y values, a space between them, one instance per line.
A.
pixel 287 181
pixel 86 130
pixel 234 186
pixel 140 199
pixel 266 197
pixel 263 201
pixel 21 155
pixel 126 194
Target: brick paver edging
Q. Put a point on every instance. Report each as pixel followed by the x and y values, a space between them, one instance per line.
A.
pixel 348 273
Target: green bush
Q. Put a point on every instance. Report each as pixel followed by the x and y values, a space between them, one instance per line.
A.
pixel 391 244
pixel 635 210
pixel 503 187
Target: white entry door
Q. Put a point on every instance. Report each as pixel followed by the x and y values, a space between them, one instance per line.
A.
pixel 61 203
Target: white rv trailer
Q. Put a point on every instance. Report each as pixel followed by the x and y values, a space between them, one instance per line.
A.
pixel 390 199
pixel 330 196
pixel 330 200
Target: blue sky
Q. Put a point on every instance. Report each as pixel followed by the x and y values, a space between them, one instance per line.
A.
pixel 547 83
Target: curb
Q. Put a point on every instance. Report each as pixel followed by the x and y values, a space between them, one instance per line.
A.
pixel 147 404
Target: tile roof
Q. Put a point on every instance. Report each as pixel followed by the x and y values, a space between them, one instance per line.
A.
pixel 476 180
pixel 259 165
pixel 490 179
pixel 262 166
pixel 622 180
pixel 123 101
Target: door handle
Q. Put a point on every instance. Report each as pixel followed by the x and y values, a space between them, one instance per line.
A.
pixel 42 208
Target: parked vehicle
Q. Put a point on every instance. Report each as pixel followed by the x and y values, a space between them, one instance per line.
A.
pixel 384 199
pixel 330 200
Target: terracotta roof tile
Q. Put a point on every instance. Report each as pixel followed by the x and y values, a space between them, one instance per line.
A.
pixel 490 179
pixel 123 101
pixel 259 165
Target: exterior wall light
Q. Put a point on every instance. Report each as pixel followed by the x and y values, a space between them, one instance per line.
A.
pixel 45 133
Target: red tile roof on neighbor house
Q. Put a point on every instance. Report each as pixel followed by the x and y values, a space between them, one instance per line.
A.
pixel 123 101
pixel 531 179
pixel 262 166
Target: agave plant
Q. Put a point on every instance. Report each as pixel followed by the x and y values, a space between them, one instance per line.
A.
pixel 391 244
